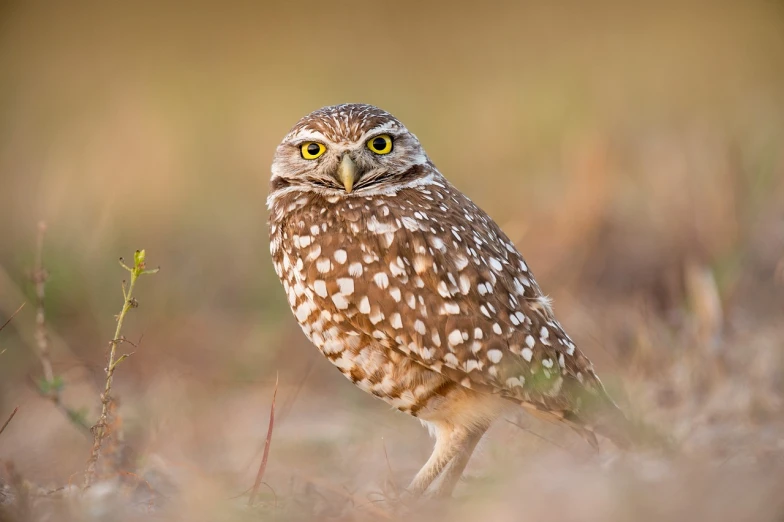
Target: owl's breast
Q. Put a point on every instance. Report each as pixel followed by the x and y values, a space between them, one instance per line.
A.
pixel 326 260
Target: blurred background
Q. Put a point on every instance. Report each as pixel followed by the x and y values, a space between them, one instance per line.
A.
pixel 635 154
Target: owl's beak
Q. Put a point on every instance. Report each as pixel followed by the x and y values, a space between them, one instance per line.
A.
pixel 347 172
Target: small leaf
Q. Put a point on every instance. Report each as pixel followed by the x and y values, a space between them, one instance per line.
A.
pixel 55 385
pixel 58 383
pixel 44 386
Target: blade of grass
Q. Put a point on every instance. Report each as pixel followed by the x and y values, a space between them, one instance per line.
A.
pixel 527 430
pixel 12 317
pixel 353 499
pixel 389 469
pixel 267 442
pixel 9 420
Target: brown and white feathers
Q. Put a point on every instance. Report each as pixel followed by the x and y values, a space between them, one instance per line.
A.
pixel 408 287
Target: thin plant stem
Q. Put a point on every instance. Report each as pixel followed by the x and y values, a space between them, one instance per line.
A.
pixel 9 420
pixel 267 442
pixel 51 386
pixel 99 429
pixel 12 317
pixel 39 278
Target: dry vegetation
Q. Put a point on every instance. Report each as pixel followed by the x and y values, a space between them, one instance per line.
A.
pixel 636 156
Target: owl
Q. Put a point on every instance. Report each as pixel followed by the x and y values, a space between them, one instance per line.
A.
pixel 415 294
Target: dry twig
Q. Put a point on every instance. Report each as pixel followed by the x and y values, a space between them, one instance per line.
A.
pixel 389 470
pixel 100 428
pixel 39 277
pixel 351 497
pixel 9 420
pixel 532 432
pixel 12 317
pixel 263 465
pixel 52 385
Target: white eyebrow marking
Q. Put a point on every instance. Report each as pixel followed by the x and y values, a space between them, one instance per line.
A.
pixel 386 128
pixel 306 135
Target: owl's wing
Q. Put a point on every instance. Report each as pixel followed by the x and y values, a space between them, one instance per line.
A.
pixel 436 279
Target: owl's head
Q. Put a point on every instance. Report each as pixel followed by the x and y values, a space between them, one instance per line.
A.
pixel 349 150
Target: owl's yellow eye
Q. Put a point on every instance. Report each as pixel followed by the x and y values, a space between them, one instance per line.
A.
pixel 312 150
pixel 380 144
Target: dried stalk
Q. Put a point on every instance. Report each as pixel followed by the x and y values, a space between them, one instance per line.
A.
pixel 541 437
pixel 351 497
pixel 99 429
pixel 39 276
pixel 51 386
pixel 12 317
pixel 389 470
pixel 267 442
pixel 9 420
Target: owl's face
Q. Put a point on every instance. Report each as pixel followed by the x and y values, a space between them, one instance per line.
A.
pixel 348 150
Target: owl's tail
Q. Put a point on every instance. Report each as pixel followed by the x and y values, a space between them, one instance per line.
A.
pixel 610 422
pixel 598 414
pixel 602 416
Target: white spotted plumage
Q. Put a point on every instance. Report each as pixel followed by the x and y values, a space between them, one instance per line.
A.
pixel 404 260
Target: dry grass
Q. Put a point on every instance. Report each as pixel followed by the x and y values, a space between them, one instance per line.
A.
pixel 636 156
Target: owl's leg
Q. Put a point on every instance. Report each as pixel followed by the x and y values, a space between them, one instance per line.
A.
pixel 452 442
pixel 447 445
pixel 450 476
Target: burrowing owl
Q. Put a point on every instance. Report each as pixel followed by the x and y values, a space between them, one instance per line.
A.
pixel 414 293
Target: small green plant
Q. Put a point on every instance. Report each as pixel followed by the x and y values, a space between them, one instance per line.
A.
pixel 56 385
pixel 99 430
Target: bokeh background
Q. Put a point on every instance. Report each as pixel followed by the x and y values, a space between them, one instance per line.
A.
pixel 634 153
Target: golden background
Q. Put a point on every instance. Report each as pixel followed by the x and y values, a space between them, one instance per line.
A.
pixel 635 154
